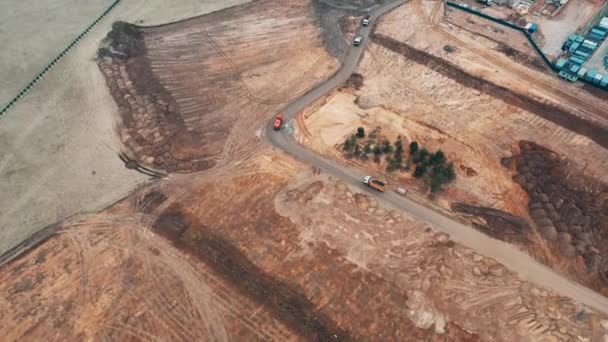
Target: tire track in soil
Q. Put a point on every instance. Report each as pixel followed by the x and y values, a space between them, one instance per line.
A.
pixel 206 316
pixel 507 67
pixel 598 134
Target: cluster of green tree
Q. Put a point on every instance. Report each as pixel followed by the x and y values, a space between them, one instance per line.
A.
pixel 433 167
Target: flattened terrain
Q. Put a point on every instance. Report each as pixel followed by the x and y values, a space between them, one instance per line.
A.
pixel 441 100
pixel 272 256
pixel 190 92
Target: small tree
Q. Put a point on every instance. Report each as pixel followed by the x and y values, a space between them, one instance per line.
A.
pixel 393 164
pixel 348 146
pixel 413 147
pixel 420 170
pixel 377 150
pixel 399 145
pixel 387 147
pixel 357 151
pixel 437 158
pixel 450 172
pixel 368 148
pixel 435 184
pixel 421 156
pixel 360 132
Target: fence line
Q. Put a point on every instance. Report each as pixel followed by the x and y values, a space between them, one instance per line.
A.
pixel 515 27
pixel 39 76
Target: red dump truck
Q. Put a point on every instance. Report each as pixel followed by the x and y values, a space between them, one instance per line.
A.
pixel 278 122
pixel 374 183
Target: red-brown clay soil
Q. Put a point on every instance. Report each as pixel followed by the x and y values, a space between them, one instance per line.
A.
pixel 261 255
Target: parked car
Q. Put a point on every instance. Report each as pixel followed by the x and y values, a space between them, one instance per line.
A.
pixel 366 20
pixel 357 41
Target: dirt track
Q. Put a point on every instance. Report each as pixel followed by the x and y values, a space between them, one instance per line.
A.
pixel 508 255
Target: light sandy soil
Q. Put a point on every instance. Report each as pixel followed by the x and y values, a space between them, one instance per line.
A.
pixel 410 93
pixel 418 24
pixel 254 254
pixel 58 151
pixel 441 114
pixel 509 41
pixel 241 63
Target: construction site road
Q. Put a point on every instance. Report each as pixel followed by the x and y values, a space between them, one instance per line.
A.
pixel 517 261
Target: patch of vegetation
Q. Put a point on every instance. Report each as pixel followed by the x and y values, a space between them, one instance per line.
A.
pixel 432 167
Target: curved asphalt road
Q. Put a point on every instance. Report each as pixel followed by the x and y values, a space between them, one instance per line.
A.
pixel 517 261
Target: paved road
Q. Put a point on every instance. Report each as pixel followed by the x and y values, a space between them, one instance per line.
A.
pixel 528 268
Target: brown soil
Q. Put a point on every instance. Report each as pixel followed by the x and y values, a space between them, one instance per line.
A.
pixel 596 132
pixel 182 87
pixel 570 212
pixel 498 224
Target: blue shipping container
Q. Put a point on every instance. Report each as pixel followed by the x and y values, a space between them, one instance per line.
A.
pixel 595 38
pixel 585 50
pixel 574 46
pixel 598 32
pixel 576 60
pixel 589 46
pixel 560 63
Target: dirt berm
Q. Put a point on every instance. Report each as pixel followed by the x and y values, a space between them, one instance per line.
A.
pixel 557 115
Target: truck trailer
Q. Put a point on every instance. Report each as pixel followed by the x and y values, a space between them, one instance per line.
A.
pixel 374 183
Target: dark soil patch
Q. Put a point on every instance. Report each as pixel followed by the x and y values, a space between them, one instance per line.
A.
pixel 286 301
pixel 557 115
pixel 522 58
pixel 500 225
pixel 149 113
pixel 171 224
pixel 355 81
pixel 569 209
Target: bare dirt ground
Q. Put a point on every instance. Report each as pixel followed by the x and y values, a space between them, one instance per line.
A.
pixel 58 145
pixel 481 57
pixel 270 252
pixel 510 42
pixel 256 247
pixel 179 107
pixel 26 49
pixel 409 92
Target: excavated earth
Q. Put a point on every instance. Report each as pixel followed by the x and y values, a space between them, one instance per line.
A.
pixel 252 246
pixel 467 101
pixel 270 256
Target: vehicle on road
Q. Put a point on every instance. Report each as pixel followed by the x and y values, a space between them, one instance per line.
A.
pixel 366 20
pixel 278 122
pixel 374 183
pixel 358 41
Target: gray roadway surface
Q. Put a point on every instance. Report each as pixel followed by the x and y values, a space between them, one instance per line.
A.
pixel 517 261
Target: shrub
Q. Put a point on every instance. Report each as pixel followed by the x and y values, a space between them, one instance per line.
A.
pixel 387 147
pixel 420 170
pixel 377 150
pixel 360 132
pixel 357 151
pixel 437 158
pixel 413 147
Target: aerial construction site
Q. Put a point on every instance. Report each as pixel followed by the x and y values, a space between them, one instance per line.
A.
pixel 304 170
